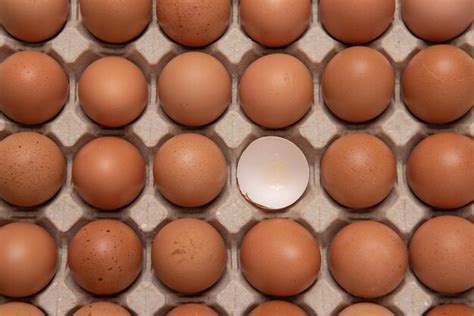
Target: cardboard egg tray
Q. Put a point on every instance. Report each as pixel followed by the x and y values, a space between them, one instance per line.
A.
pixel 230 213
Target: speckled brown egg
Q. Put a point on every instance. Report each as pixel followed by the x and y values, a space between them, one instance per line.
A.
pixel 193 23
pixel 440 170
pixel 113 91
pixel 102 309
pixel 194 89
pixel 190 170
pixel 277 308
pixel 33 87
pixel 32 169
pixel 276 91
pixel 358 84
pixel 20 309
pixel 437 84
pixel 437 21
pixel 188 255
pixel 280 257
pixel 105 257
pixel 358 170
pixel 192 310
pixel 442 253
pixel 368 259
pixel 28 259
pixel 355 21
pixel 451 310
pixel 32 20
pixel 108 173
pixel 365 309
pixel 275 23
pixel 116 21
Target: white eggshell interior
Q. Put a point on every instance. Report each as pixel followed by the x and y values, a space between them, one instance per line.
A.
pixel 272 173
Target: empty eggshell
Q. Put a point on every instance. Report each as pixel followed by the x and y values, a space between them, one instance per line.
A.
pixel 32 20
pixel 275 23
pixel 33 87
pixel 278 308
pixel 192 310
pixel 20 309
pixel 272 173
pixel 102 309
pixel 365 309
pixel 451 310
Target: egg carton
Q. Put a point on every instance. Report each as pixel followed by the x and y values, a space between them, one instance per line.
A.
pixel 230 213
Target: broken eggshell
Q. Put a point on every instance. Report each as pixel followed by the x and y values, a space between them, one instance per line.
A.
pixel 272 173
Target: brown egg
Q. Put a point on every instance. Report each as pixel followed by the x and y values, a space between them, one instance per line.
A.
pixel 32 20
pixel 193 23
pixel 440 170
pixel 279 257
pixel 113 91
pixel 188 255
pixel 368 259
pixel 105 257
pixel 102 309
pixel 108 173
pixel 278 308
pixel 355 21
pixel 442 253
pixel 437 21
pixel 33 87
pixel 358 170
pixel 451 310
pixel 32 169
pixel 365 309
pixel 28 259
pixel 20 309
pixel 194 89
pixel 437 84
pixel 190 170
pixel 192 310
pixel 116 21
pixel 358 84
pixel 275 23
pixel 276 91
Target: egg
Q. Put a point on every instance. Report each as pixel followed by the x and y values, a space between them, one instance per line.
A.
pixel 192 310
pixel 33 87
pixel 442 253
pixel 358 170
pixel 280 257
pixel 113 91
pixel 188 255
pixel 190 170
pixel 451 309
pixel 368 259
pixel 32 169
pixel 102 309
pixel 275 23
pixel 105 257
pixel 358 84
pixel 365 309
pixel 193 23
pixel 440 170
pixel 125 19
pixel 28 259
pixel 194 89
pixel 437 21
pixel 20 309
pixel 276 91
pixel 437 84
pixel 32 20
pixel 277 308
pixel 355 21
pixel 272 173
pixel 108 173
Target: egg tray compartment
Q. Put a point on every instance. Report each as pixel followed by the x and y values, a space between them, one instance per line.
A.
pixel 230 213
